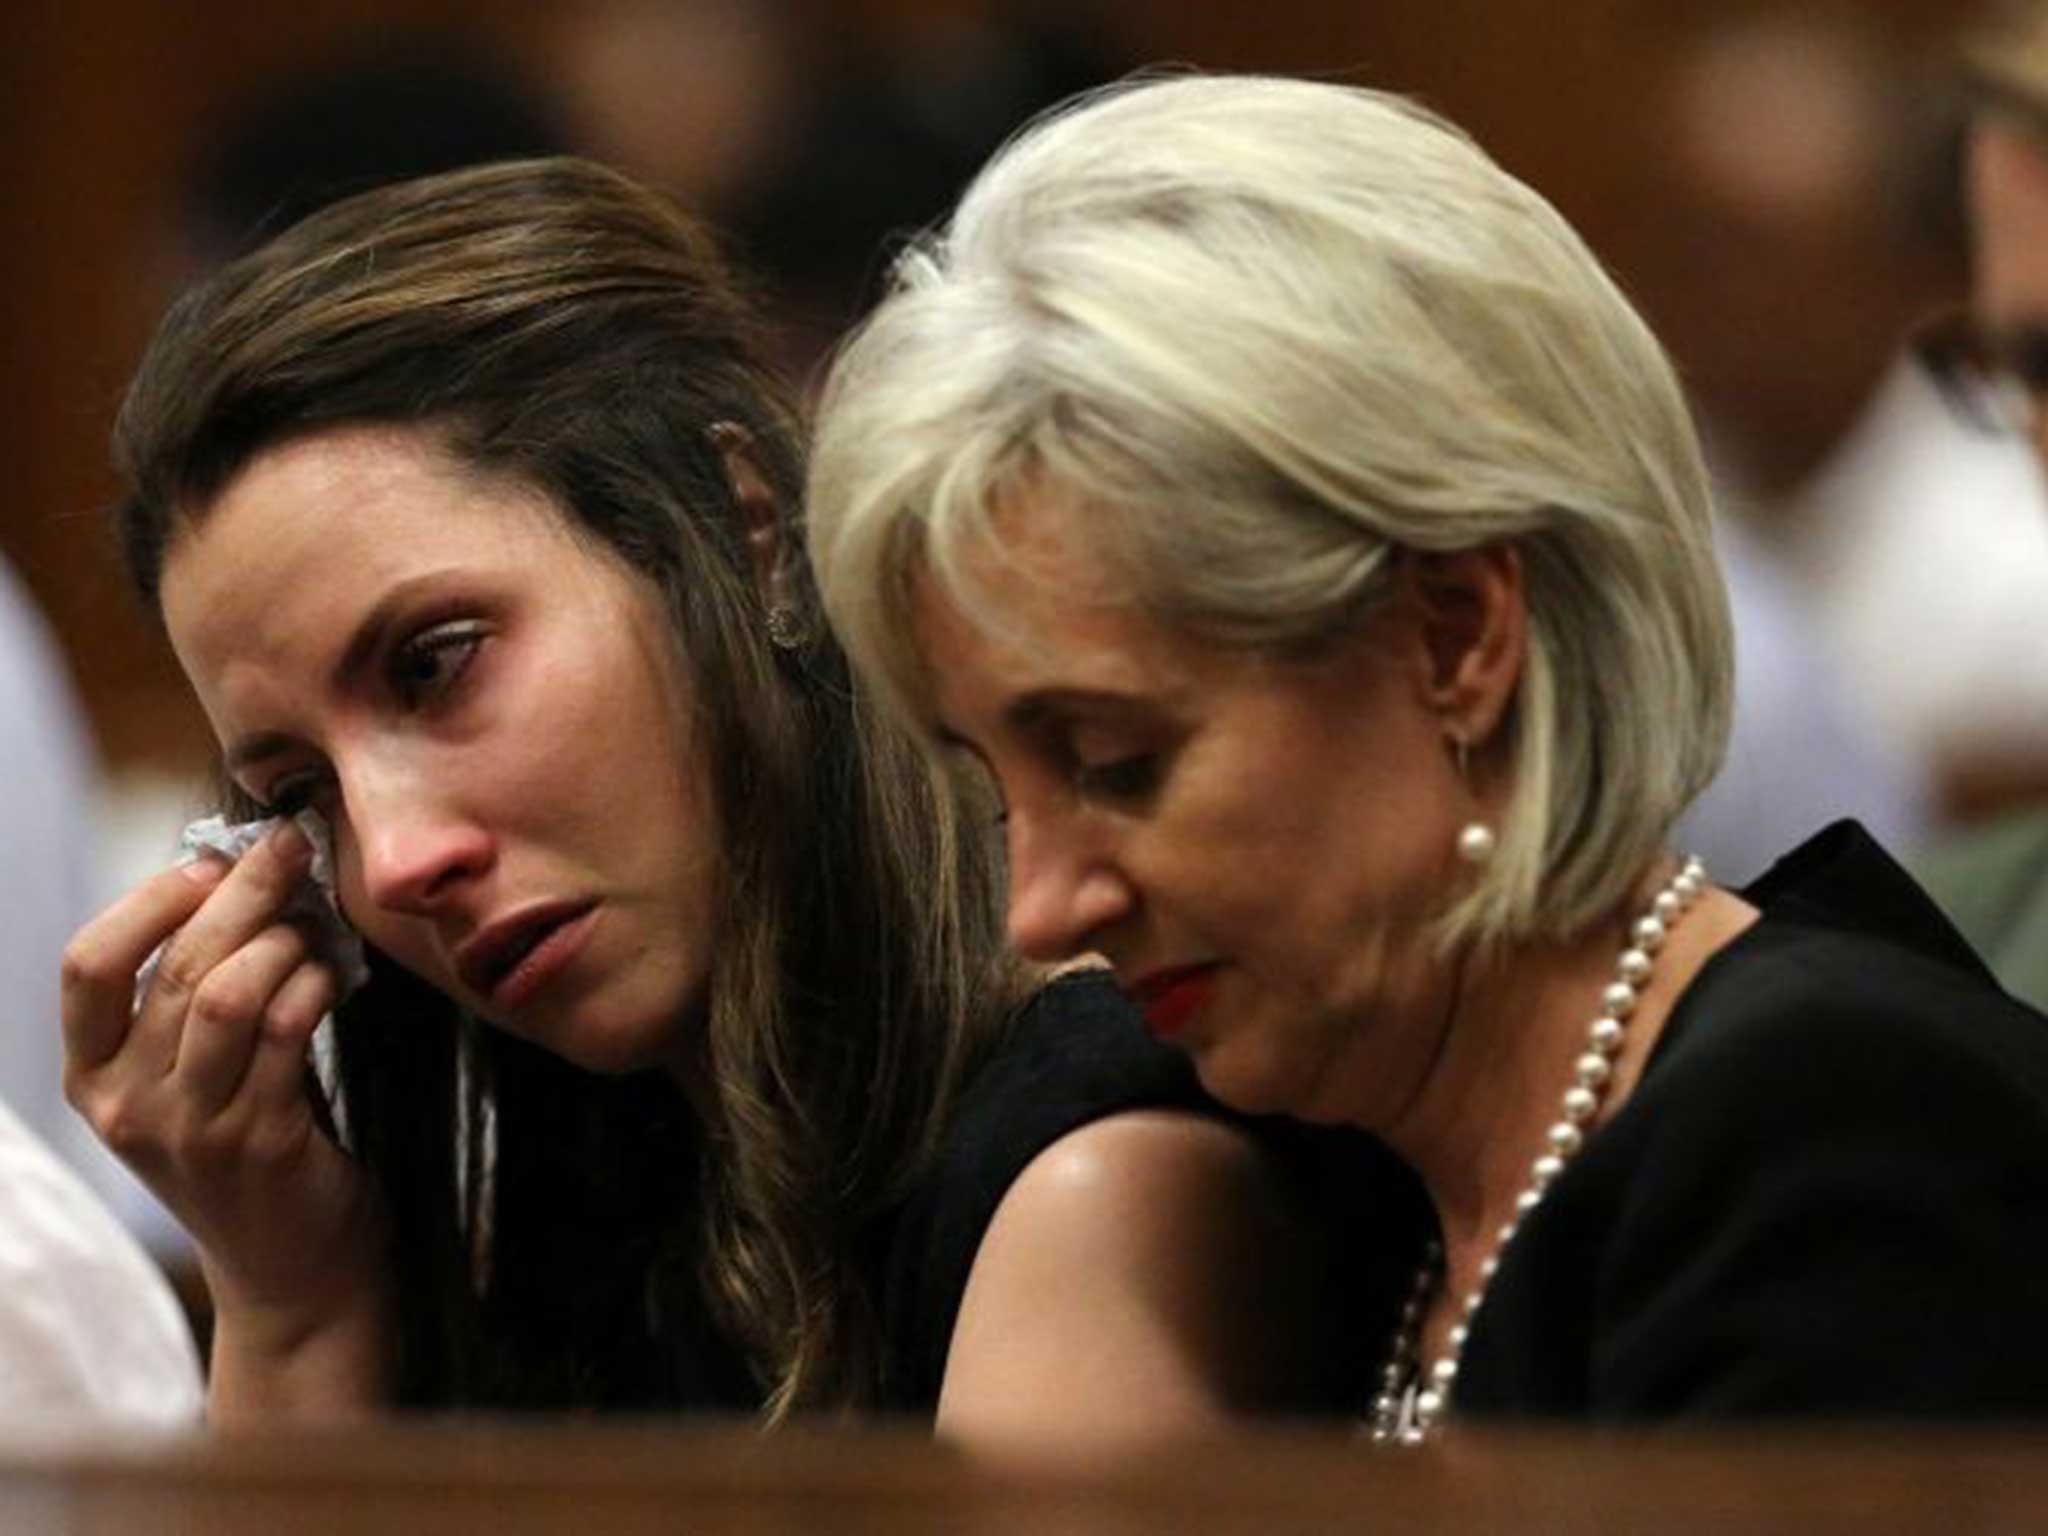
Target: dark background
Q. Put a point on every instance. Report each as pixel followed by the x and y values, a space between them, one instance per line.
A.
pixel 105 103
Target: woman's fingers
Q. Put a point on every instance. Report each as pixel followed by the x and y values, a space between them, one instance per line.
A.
pixel 200 1086
pixel 277 1073
pixel 100 962
pixel 222 958
pixel 228 1014
pixel 247 901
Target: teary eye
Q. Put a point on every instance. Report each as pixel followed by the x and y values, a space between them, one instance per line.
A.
pixel 294 793
pixel 428 664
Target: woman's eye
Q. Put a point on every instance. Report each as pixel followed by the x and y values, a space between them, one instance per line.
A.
pixel 425 666
pixel 289 796
pixel 1122 778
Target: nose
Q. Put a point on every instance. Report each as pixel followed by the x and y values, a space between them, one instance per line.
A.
pixel 414 849
pixel 1062 892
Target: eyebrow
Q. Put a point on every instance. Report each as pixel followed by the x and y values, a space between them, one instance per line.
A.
pixel 1030 711
pixel 363 643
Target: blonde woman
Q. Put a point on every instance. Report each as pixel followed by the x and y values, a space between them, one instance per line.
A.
pixel 1311 545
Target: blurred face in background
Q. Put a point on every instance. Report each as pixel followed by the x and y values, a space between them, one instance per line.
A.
pixel 2008 191
pixel 1786 254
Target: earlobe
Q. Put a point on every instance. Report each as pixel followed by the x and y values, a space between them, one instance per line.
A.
pixel 1472 619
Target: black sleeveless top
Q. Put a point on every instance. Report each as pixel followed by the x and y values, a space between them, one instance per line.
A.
pixel 1827 1197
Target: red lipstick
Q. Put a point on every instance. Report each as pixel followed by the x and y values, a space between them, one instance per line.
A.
pixel 1170 999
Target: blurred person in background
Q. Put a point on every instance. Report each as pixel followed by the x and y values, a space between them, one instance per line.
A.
pixel 883 144
pixel 1993 359
pixel 817 146
pixel 402 106
pixel 696 97
pixel 1806 173
pixel 90 1331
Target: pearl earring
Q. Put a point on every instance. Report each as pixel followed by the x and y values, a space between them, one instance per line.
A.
pixel 1476 842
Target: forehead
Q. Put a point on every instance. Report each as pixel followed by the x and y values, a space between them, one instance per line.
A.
pixel 1033 602
pixel 313 529
pixel 1032 560
pixel 1041 542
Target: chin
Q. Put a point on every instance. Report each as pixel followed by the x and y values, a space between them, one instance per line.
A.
pixel 1249 1085
pixel 606 1046
pixel 1256 1082
pixel 630 1020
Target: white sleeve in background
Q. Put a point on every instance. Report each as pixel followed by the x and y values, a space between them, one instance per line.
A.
pixel 1923 547
pixel 1800 754
pixel 47 850
pixel 90 1332
pixel 50 852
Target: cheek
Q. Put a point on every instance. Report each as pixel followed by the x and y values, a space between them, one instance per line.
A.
pixel 362 914
pixel 580 740
pixel 398 937
pixel 1374 865
pixel 376 927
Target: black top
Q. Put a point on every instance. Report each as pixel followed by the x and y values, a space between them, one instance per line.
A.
pixel 1079 1054
pixel 1827 1196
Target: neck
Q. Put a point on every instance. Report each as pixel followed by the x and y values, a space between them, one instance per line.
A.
pixel 1489 1138
pixel 1517 1025
pixel 1517 1022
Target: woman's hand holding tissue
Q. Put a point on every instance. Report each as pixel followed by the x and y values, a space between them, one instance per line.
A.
pixel 199 1086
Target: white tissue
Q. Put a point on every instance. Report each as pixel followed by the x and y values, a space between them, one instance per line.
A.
pixel 313 905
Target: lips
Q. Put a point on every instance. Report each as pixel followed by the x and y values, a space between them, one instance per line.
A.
pixel 1170 999
pixel 510 959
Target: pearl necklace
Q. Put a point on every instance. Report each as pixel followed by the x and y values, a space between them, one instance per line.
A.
pixel 1413 1403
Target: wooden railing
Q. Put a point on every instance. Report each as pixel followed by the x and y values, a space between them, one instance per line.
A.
pixel 508 1480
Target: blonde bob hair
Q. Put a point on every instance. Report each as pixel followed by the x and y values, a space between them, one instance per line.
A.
pixel 1266 333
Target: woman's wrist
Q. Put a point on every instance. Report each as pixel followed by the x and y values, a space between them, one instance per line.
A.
pixel 325 1359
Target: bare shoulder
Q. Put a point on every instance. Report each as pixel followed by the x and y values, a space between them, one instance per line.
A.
pixel 1148 1273
pixel 1142 1154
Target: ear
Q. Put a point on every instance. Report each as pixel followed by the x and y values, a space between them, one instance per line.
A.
pixel 1472 621
pixel 760 515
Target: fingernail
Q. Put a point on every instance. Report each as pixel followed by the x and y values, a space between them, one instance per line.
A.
pixel 204 869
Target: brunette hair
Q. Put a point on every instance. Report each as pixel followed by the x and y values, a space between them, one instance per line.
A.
pixel 560 1238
